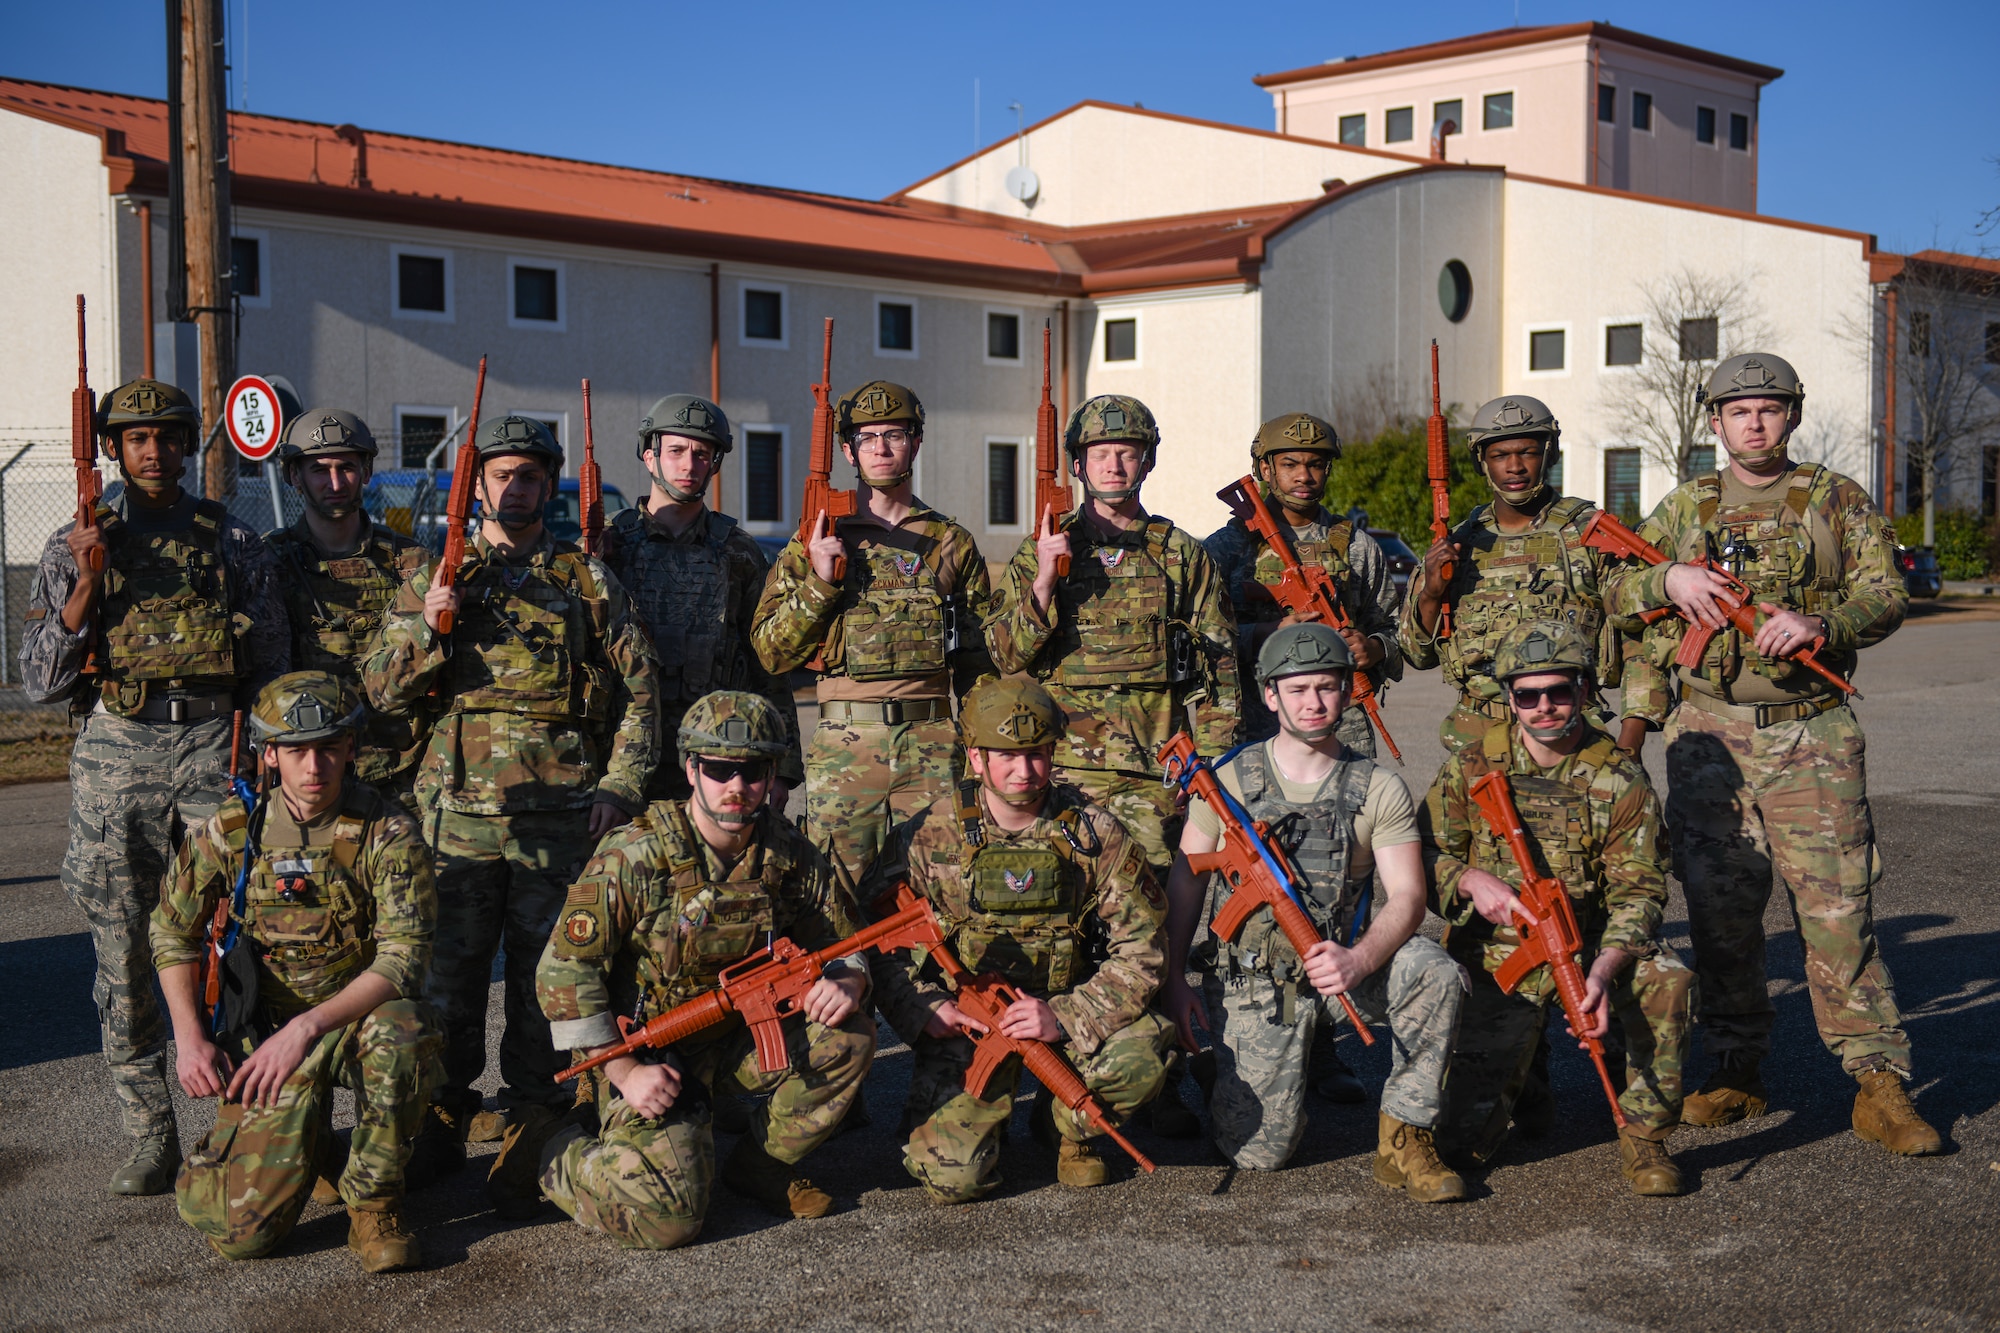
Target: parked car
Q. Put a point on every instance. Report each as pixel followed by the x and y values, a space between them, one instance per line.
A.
pixel 412 503
pixel 1403 561
pixel 1919 567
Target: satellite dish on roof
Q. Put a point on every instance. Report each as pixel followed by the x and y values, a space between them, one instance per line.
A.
pixel 1022 183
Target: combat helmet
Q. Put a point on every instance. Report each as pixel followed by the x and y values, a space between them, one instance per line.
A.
pixel 732 724
pixel 1753 375
pixel 1294 432
pixel 144 402
pixel 689 416
pixel 1512 417
pixel 1296 650
pixel 1010 715
pixel 301 707
pixel 878 403
pixel 1543 645
pixel 325 430
pixel 520 435
pixel 1107 418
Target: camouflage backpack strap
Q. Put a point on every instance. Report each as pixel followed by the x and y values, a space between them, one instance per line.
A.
pixel 971 823
pixel 719 528
pixel 359 809
pixel 1707 497
pixel 210 516
pixel 1807 493
pixel 1596 773
pixel 572 568
pixel 1340 540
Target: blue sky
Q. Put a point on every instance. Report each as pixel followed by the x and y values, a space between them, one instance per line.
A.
pixel 1884 122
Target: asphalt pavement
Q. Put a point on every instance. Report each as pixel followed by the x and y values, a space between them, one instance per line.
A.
pixel 1791 1221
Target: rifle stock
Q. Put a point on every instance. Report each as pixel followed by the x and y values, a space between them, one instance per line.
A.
pixel 458 505
pixel 1051 489
pixel 590 482
pixel 1303 589
pixel 1555 938
pixel 83 439
pixel 820 496
pixel 1437 443
pixel 1257 871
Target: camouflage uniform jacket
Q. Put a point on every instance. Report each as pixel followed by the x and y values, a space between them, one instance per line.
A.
pixel 657 914
pixel 1067 909
pixel 1141 628
pixel 549 684
pixel 52 658
pixel 352 893
pixel 335 604
pixel 910 607
pixel 701 634
pixel 1509 579
pixel 1592 820
pixel 1819 545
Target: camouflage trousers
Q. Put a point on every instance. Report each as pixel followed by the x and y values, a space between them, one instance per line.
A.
pixel 647 1183
pixel 135 790
pixel 501 880
pixel 1744 801
pixel 954 1147
pixel 1145 806
pixel 862 779
pixel 1498 1035
pixel 247 1182
pixel 1263 1029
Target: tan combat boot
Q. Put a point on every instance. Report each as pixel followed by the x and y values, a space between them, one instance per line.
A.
pixel 755 1174
pixel 514 1184
pixel 486 1127
pixel 384 1244
pixel 1643 1160
pixel 1079 1165
pixel 1735 1091
pixel 1406 1159
pixel 1883 1114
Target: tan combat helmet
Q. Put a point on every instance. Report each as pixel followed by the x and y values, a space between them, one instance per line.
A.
pixel 1010 715
pixel 301 707
pixel 732 724
pixel 326 430
pixel 878 403
pixel 1294 432
pixel 144 402
pixel 1754 375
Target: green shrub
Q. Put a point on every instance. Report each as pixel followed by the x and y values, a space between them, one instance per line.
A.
pixel 1965 543
pixel 1389 477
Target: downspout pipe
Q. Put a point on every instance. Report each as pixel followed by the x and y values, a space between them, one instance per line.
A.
pixel 1889 481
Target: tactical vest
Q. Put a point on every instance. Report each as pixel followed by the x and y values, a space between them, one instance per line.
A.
pixel 897 619
pixel 309 917
pixel 1329 552
pixel 1544 574
pixel 164 614
pixel 1318 835
pixel 1028 904
pixel 695 925
pixel 528 640
pixel 681 591
pixel 1116 623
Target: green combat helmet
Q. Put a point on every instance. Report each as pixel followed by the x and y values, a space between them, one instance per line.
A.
pixel 326 430
pixel 301 707
pixel 1294 433
pixel 1109 417
pixel 1296 650
pixel 1010 715
pixel 1543 645
pixel 878 403
pixel 732 724
pixel 1513 417
pixel 144 402
pixel 519 435
pixel 1754 375
pixel 685 415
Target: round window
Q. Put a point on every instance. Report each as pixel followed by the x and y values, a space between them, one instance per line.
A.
pixel 1455 290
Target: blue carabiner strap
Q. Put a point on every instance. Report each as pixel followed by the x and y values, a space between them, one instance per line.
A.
pixel 245 793
pixel 1235 810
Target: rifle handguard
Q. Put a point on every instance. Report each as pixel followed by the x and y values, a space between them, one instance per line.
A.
pixel 458 505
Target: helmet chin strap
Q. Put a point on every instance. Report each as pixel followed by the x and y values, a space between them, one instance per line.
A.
pixel 678 495
pixel 1293 729
pixel 1023 800
pixel 726 818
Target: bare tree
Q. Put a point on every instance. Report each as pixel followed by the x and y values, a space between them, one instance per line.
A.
pixel 1375 401
pixel 1947 387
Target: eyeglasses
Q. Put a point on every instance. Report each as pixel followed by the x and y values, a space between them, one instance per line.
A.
pixel 1559 696
pixel 895 439
pixel 723 771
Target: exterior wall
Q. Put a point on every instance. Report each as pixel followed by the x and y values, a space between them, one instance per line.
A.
pixel 1668 162
pixel 1102 164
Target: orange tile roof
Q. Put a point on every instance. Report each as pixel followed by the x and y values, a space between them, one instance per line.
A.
pixel 1504 38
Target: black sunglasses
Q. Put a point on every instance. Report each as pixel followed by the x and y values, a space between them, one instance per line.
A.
pixel 1559 696
pixel 752 771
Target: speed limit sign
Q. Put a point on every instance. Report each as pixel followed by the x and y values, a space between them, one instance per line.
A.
pixel 254 418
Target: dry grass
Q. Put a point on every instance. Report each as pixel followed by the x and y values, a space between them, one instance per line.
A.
pixel 34 747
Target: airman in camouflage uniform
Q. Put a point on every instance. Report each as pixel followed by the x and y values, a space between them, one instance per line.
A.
pixel 694 577
pixel 1290 456
pixel 1037 883
pixel 1345 824
pixel 548 736
pixel 682 892
pixel 177 624
pixel 1765 763
pixel 1519 559
pixel 336 908
pixel 342 569
pixel 894 639
pixel 1594 823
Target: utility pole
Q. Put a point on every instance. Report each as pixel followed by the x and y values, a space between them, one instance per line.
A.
pixel 203 153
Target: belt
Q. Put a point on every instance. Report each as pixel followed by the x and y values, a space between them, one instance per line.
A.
pixel 193 708
pixel 1762 715
pixel 885 712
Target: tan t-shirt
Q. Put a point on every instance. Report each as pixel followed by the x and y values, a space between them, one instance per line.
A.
pixel 1388 818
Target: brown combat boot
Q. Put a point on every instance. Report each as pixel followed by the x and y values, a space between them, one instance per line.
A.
pixel 514 1185
pixel 384 1244
pixel 1883 1114
pixel 1735 1091
pixel 1080 1166
pixel 1406 1159
pixel 1643 1160
pixel 486 1127
pixel 755 1174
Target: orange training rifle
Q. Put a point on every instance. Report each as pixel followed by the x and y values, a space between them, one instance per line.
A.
pixel 83 439
pixel 458 505
pixel 1257 870
pixel 1554 938
pixel 1051 487
pixel 1437 442
pixel 821 497
pixel 1304 590
pixel 590 482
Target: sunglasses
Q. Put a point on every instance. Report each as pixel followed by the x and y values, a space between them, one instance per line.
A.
pixel 752 771
pixel 1559 696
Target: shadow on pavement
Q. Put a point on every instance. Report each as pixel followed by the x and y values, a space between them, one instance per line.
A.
pixel 50 1016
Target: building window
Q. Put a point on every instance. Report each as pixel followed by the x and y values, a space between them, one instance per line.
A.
pixel 1704 125
pixel 1003 484
pixel 417 434
pixel 1354 130
pixel 423 285
pixel 1121 340
pixel 1003 336
pixel 1499 114
pixel 1993 344
pixel 246 268
pixel 1642 112
pixel 1701 460
pixel 1546 350
pixel 763 316
pixel 537 294
pixel 1621 484
pixel 1455 290
pixel 1453 111
pixel 1698 339
pixel 1399 124
pixel 764 476
pixel 1989 481
pixel 1607 103
pixel 895 328
pixel 1739 131
pixel 1624 344
pixel 1920 333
